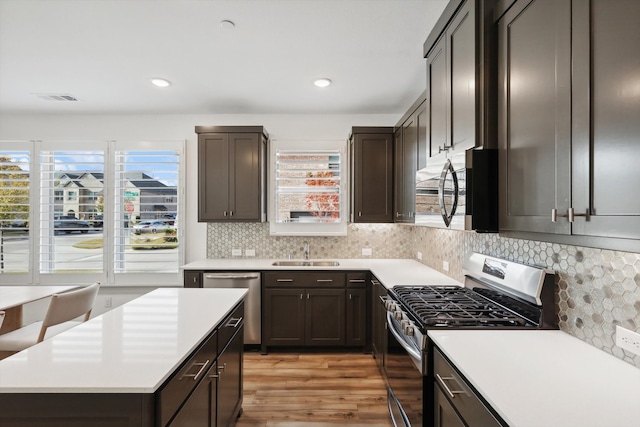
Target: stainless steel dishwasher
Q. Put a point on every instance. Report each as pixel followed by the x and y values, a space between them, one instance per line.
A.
pixel 252 309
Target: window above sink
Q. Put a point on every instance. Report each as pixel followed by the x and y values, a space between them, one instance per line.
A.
pixel 308 183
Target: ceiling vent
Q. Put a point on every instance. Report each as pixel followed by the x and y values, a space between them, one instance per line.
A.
pixel 55 96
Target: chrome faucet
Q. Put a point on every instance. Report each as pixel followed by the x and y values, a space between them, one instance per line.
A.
pixel 305 250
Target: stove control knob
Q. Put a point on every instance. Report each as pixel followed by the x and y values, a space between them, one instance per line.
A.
pixel 390 305
pixel 404 324
pixel 408 330
pixel 398 315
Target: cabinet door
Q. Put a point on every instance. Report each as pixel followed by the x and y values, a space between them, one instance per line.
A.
pixel 410 164
pixel 246 186
pixel 444 414
pixel 356 321
pixel 421 115
pixel 461 62
pixel 198 409
pixel 398 170
pixel 606 112
pixel 325 317
pixel 192 279
pixel 230 382
pixel 284 316
pixel 534 113
pixel 437 100
pixel 373 173
pixel 213 176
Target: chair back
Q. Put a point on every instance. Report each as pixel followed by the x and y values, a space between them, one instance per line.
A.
pixel 69 305
pixel 1 318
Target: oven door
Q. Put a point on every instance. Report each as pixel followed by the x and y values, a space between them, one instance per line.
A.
pixel 404 379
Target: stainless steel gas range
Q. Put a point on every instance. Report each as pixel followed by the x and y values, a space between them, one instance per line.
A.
pixel 497 294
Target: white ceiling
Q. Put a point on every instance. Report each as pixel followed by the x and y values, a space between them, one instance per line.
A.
pixel 104 52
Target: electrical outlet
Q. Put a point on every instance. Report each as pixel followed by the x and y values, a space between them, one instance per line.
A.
pixel 249 252
pixel 366 251
pixel 108 302
pixel 627 339
pixel 236 252
pixel 419 255
pixel 445 265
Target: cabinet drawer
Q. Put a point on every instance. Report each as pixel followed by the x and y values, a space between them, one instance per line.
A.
pixel 286 279
pixel 230 325
pixel 464 399
pixel 177 388
pixel 357 279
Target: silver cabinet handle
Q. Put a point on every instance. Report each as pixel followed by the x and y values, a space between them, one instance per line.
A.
pixel 224 213
pixel 284 280
pixel 356 280
pixel 235 323
pixel 197 374
pixel 324 280
pixel 451 393
pixel 570 215
pixel 230 213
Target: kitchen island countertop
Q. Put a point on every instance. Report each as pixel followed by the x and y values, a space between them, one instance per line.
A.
pixel 133 348
pixel 390 272
pixel 545 378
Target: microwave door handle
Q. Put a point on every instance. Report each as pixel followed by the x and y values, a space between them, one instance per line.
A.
pixel 412 351
pixel 447 169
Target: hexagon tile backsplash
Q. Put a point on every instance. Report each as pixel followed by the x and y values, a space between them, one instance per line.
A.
pixel 597 289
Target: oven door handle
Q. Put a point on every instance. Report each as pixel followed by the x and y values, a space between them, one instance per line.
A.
pixel 415 354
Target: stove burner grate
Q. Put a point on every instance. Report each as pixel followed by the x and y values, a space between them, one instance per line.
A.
pixel 455 307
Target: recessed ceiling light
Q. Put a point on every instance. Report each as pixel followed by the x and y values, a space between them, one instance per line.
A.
pixel 324 82
pixel 227 25
pixel 161 82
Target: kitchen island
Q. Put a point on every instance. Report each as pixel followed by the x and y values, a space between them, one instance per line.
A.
pixel 132 366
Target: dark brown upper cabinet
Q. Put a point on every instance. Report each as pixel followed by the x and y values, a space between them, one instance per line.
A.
pixel 232 173
pixel 454 52
pixel 568 122
pixel 371 150
pixel 410 142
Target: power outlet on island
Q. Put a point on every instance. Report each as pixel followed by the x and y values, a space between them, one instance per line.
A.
pixel 236 252
pixel 249 252
pixel 445 265
pixel 628 340
pixel 419 255
pixel 366 251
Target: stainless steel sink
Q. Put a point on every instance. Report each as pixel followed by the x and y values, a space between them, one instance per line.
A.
pixel 304 263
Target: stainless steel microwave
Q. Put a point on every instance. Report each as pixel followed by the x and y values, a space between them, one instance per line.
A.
pixel 459 191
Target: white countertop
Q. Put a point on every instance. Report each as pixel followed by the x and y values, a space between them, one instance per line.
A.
pixel 390 272
pixel 130 349
pixel 545 378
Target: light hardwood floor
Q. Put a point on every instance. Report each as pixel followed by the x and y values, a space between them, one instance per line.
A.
pixel 313 390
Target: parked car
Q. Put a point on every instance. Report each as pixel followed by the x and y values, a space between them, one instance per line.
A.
pixel 96 221
pixel 150 227
pixel 69 224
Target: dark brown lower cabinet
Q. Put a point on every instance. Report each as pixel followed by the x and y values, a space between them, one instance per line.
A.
pixel 315 309
pixel 200 408
pixel 325 317
pixel 445 415
pixel 230 382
